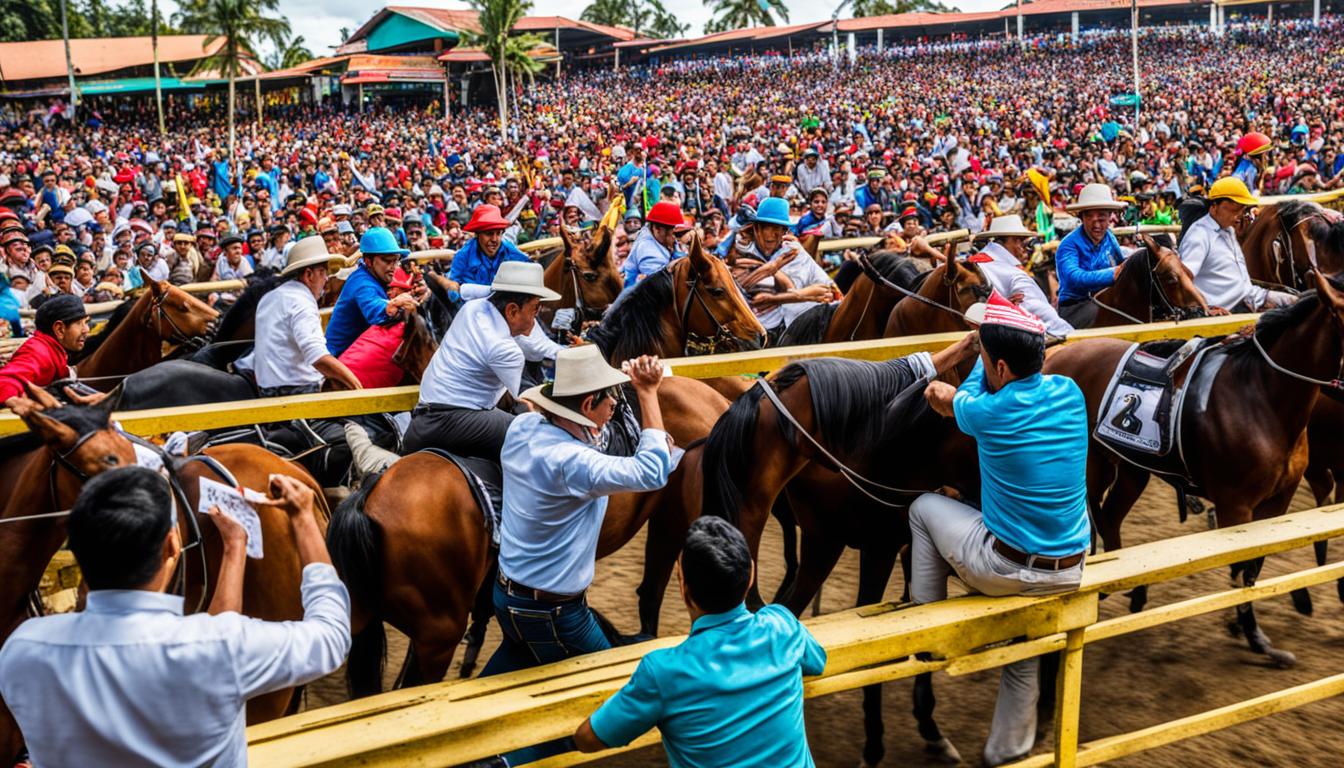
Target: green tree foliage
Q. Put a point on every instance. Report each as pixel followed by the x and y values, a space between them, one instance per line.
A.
pixel 291 54
pixel 736 14
pixel 22 20
pixel 648 18
pixel 508 54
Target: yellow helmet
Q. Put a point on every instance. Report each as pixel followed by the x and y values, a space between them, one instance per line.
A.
pixel 1232 188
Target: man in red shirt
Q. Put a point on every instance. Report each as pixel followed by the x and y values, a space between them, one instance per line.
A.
pixel 62 327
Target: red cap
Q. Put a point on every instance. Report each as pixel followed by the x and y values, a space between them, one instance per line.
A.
pixel 1000 311
pixel 1253 143
pixel 486 218
pixel 124 176
pixel 400 279
pixel 666 213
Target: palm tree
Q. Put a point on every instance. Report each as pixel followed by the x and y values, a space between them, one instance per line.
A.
pixel 239 23
pixel 885 7
pixel 736 14
pixel 645 17
pixel 508 55
pixel 291 54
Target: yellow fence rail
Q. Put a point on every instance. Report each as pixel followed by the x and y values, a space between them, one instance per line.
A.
pixel 454 722
pixel 390 400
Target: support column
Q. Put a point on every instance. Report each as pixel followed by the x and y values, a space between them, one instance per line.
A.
pixel 360 95
pixel 1020 39
pixel 879 37
pixel 465 84
pixel 618 58
pixel 1073 24
pixel 1222 19
pixel 1315 11
pixel 1269 18
pixel 852 51
pixel 557 52
pixel 447 97
pixel 1213 17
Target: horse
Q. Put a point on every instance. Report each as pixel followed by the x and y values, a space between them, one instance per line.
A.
pixel 238 326
pixel 940 304
pixel 135 334
pixel 887 278
pixel 45 470
pixel 413 547
pixel 1280 245
pixel 1153 285
pixel 1248 466
pixel 585 276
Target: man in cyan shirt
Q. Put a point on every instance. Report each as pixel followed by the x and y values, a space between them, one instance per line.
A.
pixel 732 692
pixel 1032 530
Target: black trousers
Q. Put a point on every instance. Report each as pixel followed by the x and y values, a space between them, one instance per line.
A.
pixel 461 431
pixel 1080 313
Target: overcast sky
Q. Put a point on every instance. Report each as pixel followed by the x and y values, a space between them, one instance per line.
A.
pixel 320 21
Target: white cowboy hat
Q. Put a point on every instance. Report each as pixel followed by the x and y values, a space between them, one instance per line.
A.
pixel 1005 226
pixel 523 277
pixel 1095 196
pixel 308 252
pixel 578 371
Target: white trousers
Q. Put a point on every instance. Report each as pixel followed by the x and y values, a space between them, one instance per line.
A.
pixel 950 536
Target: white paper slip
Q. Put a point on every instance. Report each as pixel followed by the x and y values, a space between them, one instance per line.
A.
pixel 233 504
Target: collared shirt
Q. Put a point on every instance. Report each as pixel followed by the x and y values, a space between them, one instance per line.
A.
pixel 1215 259
pixel 809 179
pixel 1009 279
pixel 224 270
pixel 802 271
pixel 1085 267
pixel 646 257
pixel 158 271
pixel 41 360
pixel 475 269
pixel 479 359
pixel 555 496
pixel 363 302
pixel 730 694
pixel 1032 439
pixel 289 338
pixel 131 681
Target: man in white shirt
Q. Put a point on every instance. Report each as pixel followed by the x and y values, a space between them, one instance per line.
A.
pixel 150 261
pixel 480 358
pixel 1001 260
pixel 290 356
pixel 130 680
pixel 808 283
pixel 1211 251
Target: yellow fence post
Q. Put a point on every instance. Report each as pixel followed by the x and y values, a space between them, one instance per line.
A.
pixel 1069 699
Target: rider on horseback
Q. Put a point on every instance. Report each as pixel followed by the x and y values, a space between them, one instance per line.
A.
pixel 1088 258
pixel 1212 253
pixel 767 250
pixel 363 300
pixel 656 244
pixel 1001 261
pixel 1032 530
pixel 62 328
pixel 475 264
pixel 480 358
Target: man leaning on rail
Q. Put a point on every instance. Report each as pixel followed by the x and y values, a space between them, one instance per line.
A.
pixel 1031 532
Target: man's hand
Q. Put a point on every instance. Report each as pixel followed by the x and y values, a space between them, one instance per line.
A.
pixel 78 399
pixel 646 373
pixel 291 495
pixel 1218 312
pixel 963 350
pixel 818 293
pixel 763 301
pixel 939 394
pixel 233 534
pixel 403 302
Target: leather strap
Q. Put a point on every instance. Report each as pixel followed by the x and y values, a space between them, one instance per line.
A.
pixel 1038 563
pixel 540 595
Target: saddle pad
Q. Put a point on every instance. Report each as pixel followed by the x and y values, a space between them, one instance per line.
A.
pixel 486 480
pixel 1136 411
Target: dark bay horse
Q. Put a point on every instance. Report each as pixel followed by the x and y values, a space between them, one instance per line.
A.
pixel 943 298
pixel 863 312
pixel 1281 244
pixel 1153 285
pixel 1247 452
pixel 414 549
pixel 136 333
pixel 585 276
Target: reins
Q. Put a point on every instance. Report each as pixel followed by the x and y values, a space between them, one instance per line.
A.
pixel 1336 384
pixel 877 277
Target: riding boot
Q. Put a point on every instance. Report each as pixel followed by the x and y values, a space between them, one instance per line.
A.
pixel 367 457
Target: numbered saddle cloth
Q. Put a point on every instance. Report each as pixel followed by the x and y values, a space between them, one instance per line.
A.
pixel 1140 411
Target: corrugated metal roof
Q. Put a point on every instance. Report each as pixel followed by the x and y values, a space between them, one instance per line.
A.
pixel 751 34
pixel 452 20
pixel 43 59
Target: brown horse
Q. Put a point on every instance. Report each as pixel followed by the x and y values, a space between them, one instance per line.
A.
pixel 1248 450
pixel 1153 285
pixel 1280 245
pixel 939 306
pixel 584 275
pixel 414 549
pixel 887 278
pixel 135 335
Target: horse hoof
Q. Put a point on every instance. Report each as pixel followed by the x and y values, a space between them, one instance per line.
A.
pixel 942 751
pixel 1281 658
pixel 465 671
pixel 1234 629
pixel 1138 598
pixel 1302 601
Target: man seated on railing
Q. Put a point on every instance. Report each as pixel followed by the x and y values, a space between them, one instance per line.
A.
pixel 732 692
pixel 1032 530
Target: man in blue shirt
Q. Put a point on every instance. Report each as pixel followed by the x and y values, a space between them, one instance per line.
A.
pixel 475 264
pixel 1032 530
pixel 1088 258
pixel 732 692
pixel 656 244
pixel 363 300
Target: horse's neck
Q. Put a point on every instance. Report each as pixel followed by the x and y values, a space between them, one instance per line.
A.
pixel 1307 349
pixel 26 547
pixel 130 347
pixel 1129 294
pixel 863 312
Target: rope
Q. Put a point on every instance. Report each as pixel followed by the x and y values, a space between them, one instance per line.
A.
pixel 44 515
pixel 1332 384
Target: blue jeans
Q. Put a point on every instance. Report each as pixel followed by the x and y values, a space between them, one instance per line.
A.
pixel 538 633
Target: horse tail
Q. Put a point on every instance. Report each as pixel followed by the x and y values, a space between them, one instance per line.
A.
pixel 356 545
pixel 728 455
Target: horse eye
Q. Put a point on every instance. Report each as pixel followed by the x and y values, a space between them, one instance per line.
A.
pixel 111 460
pixel 717 292
pixel 590 276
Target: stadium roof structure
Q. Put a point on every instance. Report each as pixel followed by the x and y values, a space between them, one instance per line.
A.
pixel 740 39
pixel 402 28
pixel 24 63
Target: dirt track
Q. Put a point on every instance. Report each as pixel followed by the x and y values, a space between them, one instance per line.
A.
pixel 1129 682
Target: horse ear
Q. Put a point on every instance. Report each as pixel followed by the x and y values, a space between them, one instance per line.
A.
pixel 1326 290
pixel 51 431
pixel 953 271
pixel 155 286
pixel 700 261
pixel 1149 243
pixel 568 238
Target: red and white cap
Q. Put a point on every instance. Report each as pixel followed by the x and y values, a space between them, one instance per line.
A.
pixel 1000 311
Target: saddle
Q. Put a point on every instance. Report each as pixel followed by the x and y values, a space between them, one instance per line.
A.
pixel 486 480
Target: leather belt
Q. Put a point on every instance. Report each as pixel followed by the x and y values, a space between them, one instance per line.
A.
pixel 1040 563
pixel 540 595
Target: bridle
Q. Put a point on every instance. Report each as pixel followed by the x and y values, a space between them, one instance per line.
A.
pixel 981 292
pixel 1170 310
pixel 697 344
pixel 158 315
pixel 1335 385
pixel 585 312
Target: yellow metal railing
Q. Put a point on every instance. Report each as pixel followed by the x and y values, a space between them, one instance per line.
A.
pixel 453 722
pixel 392 399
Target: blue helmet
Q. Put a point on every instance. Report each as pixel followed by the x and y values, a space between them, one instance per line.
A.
pixel 773 210
pixel 379 241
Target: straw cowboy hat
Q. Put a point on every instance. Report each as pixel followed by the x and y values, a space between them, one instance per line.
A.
pixel 523 277
pixel 1005 226
pixel 308 252
pixel 1095 196
pixel 578 371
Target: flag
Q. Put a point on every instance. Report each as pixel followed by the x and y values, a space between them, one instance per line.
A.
pixel 183 202
pixel 580 199
pixel 615 212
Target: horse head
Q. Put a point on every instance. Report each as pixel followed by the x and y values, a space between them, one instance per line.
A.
pixel 1324 242
pixel 713 312
pixel 417 346
pixel 589 271
pixel 965 283
pixel 947 292
pixel 1174 284
pixel 81 439
pixel 177 316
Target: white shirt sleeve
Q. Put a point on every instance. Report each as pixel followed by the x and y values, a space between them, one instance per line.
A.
pixel 1034 301
pixel 280 654
pixel 506 360
pixel 473 291
pixel 306 325
pixel 536 345
pixel 1194 250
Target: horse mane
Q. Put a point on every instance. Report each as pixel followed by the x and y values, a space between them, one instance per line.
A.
pixel 848 399
pixel 633 325
pixel 899 269
pixel 809 327
pixel 96 340
pixel 1292 212
pixel 1278 321
pixel 1329 235
pixel 259 284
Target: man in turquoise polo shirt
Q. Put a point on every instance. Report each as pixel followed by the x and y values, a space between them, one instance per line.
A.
pixel 732 692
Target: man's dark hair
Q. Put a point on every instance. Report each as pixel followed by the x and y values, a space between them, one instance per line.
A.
pixel 502 299
pixel 716 565
pixel 117 527
pixel 1023 351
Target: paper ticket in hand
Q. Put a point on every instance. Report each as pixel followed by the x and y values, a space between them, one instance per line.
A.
pixel 235 505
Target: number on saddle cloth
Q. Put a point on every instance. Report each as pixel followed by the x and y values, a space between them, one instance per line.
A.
pixel 1137 412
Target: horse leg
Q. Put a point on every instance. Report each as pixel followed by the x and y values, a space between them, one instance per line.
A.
pixel 1125 491
pixel 666 534
pixel 819 555
pixel 481 613
pixel 409 676
pixel 788 528
pixel 1321 483
pixel 1256 637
